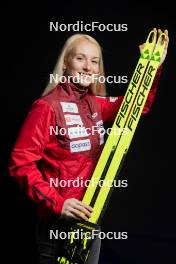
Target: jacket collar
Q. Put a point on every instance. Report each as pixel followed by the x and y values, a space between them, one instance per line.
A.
pixel 73 91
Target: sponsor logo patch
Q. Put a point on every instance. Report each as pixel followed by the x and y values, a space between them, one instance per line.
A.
pixel 80 145
pixel 69 107
pixel 94 115
pixel 99 125
pixel 113 99
pixel 77 132
pixel 73 120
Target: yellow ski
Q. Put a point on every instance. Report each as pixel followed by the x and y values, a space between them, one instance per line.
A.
pixel 116 146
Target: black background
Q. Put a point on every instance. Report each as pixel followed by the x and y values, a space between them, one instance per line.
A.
pixel 146 208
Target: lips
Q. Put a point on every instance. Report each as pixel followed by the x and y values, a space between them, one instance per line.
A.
pixel 85 74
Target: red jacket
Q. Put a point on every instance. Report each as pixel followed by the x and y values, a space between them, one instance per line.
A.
pixel 39 154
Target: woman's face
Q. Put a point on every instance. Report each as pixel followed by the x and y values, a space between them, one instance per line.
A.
pixel 83 63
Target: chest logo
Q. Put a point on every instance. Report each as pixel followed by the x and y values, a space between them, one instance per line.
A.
pixel 73 120
pixel 69 107
pixel 80 145
pixel 77 132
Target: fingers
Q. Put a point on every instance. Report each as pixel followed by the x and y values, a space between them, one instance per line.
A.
pixel 71 215
pixel 82 205
pixel 88 207
pixel 82 209
pixel 76 209
pixel 159 34
pixel 167 38
pixel 79 214
pixel 141 47
pixel 159 31
pixel 166 32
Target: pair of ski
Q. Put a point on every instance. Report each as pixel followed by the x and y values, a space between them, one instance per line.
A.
pixel 116 147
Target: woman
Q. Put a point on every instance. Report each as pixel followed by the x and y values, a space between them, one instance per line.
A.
pixel 40 155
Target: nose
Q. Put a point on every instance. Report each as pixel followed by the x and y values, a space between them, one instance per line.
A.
pixel 87 66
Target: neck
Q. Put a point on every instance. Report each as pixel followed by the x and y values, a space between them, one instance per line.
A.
pixel 81 88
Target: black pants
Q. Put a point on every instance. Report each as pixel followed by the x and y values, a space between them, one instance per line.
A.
pixel 48 248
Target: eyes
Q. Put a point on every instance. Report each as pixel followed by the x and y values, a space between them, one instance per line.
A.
pixel 81 59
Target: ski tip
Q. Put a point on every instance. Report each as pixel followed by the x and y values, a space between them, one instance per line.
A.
pixel 151 39
pixel 149 45
pixel 162 39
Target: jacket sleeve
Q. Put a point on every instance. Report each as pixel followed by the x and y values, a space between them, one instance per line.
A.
pixel 109 106
pixel 28 150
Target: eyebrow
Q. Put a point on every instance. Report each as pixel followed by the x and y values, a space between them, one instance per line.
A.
pixel 84 55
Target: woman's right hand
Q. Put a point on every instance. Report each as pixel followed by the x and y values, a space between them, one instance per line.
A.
pixel 76 209
pixel 159 32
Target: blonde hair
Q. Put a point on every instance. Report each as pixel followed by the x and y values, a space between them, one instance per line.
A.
pixel 95 88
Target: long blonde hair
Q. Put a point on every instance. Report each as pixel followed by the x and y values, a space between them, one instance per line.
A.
pixel 97 88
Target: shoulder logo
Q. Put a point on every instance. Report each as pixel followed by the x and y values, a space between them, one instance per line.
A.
pixel 113 99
